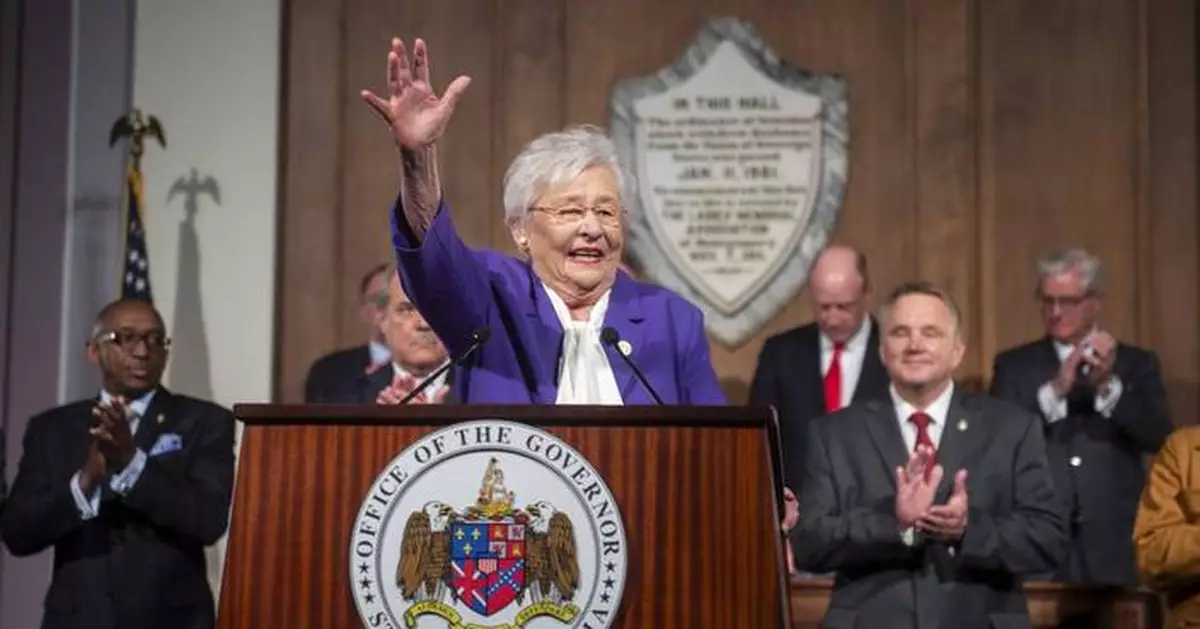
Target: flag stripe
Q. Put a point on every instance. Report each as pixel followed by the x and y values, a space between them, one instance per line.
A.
pixel 135 267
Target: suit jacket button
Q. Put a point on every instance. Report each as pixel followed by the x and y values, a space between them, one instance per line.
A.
pixel 1076 461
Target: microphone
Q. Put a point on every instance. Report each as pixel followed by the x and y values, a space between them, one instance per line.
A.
pixel 611 338
pixel 478 338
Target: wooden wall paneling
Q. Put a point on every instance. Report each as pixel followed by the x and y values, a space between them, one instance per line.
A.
pixel 309 219
pixel 370 180
pixel 1170 177
pixel 527 90
pixel 1059 136
pixel 944 146
pixel 863 40
pixel 458 34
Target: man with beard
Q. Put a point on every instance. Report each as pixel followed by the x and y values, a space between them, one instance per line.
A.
pixel 128 487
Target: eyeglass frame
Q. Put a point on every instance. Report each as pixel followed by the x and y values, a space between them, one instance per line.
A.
pixel 1063 303
pixel 559 214
pixel 112 337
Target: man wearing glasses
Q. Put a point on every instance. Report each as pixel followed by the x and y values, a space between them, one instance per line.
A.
pixel 1104 407
pixel 128 487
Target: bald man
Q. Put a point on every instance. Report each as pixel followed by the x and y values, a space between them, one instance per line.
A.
pixel 821 367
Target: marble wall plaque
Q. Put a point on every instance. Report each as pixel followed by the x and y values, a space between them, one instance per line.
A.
pixel 741 166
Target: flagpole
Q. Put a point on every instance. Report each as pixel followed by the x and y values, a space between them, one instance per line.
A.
pixel 134 280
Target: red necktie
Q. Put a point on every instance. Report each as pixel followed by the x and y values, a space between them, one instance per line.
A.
pixel 833 380
pixel 922 421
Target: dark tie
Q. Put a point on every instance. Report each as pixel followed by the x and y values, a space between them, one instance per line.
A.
pixel 922 421
pixel 833 380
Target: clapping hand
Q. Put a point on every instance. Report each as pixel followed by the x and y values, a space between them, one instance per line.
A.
pixel 948 522
pixel 791 517
pixel 915 487
pixel 112 434
pixel 1102 358
pixel 402 385
pixel 414 112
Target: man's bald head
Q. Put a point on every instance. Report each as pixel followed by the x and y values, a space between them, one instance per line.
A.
pixel 839 285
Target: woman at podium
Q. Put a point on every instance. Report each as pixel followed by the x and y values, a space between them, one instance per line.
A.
pixel 562 324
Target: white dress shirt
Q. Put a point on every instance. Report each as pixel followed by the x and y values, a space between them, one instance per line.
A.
pixel 853 355
pixel 937 411
pixel 123 481
pixel 379 352
pixel 1054 408
pixel 585 375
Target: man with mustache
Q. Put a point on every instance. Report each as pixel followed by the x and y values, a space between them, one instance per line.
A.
pixel 128 487
pixel 416 352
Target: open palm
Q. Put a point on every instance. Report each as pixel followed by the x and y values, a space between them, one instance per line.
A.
pixel 412 110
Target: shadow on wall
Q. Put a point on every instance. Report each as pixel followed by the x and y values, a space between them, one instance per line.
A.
pixel 190 369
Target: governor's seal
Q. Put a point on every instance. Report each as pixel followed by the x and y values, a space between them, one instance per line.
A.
pixel 488 525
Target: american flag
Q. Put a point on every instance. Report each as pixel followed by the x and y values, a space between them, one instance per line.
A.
pixel 135 274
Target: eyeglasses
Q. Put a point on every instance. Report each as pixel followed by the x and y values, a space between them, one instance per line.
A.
pixel 608 214
pixel 128 339
pixel 1049 302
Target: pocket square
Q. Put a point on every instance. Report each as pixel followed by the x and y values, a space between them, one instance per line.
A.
pixel 167 443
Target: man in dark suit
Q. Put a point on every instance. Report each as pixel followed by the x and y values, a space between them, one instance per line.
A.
pixel 331 374
pixel 128 488
pixel 929 506
pixel 416 352
pixel 821 367
pixel 1103 406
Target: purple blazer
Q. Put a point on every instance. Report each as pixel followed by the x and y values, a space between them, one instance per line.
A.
pixel 457 289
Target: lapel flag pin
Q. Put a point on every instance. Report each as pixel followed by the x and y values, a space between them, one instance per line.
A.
pixel 625 347
pixel 962 425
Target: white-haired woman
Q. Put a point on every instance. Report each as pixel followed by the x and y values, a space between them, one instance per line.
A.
pixel 564 198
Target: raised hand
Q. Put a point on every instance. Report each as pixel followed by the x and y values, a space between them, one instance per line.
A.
pixel 413 111
pixel 914 488
pixel 948 522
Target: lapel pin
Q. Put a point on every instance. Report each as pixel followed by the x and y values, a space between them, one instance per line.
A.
pixel 624 347
pixel 160 418
pixel 962 425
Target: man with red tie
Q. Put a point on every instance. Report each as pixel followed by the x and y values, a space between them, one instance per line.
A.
pixel 932 505
pixel 818 368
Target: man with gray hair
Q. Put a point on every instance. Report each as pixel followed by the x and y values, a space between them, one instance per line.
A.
pixel 1103 405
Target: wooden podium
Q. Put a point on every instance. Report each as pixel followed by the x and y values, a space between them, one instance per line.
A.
pixel 698 490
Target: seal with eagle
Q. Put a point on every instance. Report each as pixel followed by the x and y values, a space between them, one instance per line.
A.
pixel 538 540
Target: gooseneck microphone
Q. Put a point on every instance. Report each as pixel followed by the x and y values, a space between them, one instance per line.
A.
pixel 611 338
pixel 478 338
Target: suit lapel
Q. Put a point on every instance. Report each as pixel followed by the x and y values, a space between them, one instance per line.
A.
pixel 963 425
pixel 547 334
pixel 625 316
pixel 873 377
pixel 809 368
pixel 884 429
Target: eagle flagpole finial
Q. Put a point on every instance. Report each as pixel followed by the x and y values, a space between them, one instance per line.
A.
pixel 136 126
